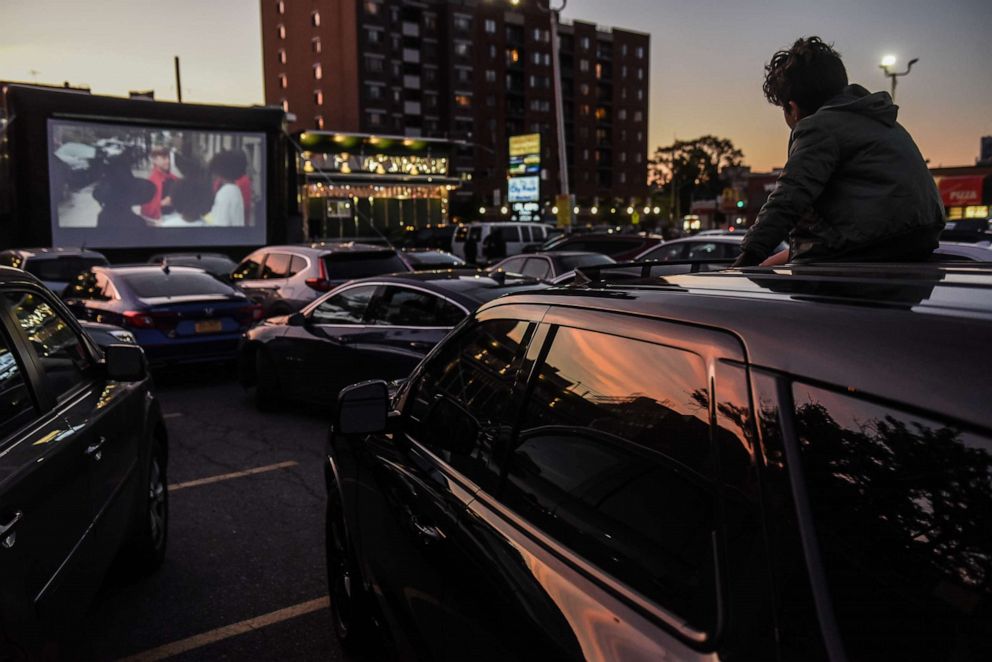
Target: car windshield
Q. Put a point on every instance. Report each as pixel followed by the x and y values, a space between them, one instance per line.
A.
pixel 570 262
pixel 61 268
pixel 345 266
pixel 157 283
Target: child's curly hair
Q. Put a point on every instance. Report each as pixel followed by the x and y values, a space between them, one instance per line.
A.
pixel 809 73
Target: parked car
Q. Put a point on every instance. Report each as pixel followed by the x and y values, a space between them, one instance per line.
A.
pixel 618 246
pixel 217 265
pixel 952 250
pixel 83 456
pixel 548 266
pixel 709 247
pixel 374 328
pixel 437 237
pixel 55 267
pixel 727 465
pixel 430 259
pixel 967 230
pixel 105 335
pixel 177 314
pixel 516 235
pixel 284 279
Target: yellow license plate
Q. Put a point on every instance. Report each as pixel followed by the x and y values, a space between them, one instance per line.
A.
pixel 208 326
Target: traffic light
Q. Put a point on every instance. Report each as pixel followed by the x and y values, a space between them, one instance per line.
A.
pixel 740 204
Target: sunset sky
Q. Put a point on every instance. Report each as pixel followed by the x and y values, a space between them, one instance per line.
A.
pixel 706 58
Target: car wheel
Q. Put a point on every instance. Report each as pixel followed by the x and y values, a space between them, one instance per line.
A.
pixel 146 549
pixel 350 616
pixel 266 382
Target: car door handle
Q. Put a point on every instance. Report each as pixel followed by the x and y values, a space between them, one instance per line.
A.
pixel 427 533
pixel 7 536
pixel 94 450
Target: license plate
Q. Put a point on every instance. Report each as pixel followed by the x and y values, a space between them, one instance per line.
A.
pixel 208 326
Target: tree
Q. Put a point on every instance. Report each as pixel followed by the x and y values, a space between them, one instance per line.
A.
pixel 691 169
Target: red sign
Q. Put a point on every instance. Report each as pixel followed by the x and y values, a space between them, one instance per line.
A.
pixel 961 191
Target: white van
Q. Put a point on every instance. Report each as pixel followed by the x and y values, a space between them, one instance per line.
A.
pixel 516 233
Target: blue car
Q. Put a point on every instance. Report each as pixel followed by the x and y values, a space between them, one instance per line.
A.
pixel 177 314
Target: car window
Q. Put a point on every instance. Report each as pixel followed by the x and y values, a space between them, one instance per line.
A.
pixel 702 250
pixel 16 406
pixel 510 233
pixel 667 252
pixel 514 265
pixel 461 403
pixel 569 262
pixel 87 285
pixel 276 265
pixel 402 306
pixel 61 353
pixel 902 506
pixel 537 267
pixel 8 259
pixel 61 268
pixel 154 283
pixel 525 233
pixel 613 459
pixel 297 265
pixel 345 307
pixel 249 268
pixel 474 233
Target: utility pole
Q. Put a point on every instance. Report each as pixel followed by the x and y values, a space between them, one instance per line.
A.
pixel 886 65
pixel 179 85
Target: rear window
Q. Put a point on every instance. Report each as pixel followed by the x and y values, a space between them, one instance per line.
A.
pixel 151 284
pixel 461 233
pixel 434 258
pixel 575 261
pixel 61 268
pixel 215 265
pixel 345 266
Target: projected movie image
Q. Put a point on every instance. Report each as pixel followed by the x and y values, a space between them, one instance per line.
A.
pixel 128 186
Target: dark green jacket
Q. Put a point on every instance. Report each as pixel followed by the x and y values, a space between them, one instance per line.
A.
pixel 855 187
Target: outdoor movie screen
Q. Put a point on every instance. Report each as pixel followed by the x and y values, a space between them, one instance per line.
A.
pixel 119 186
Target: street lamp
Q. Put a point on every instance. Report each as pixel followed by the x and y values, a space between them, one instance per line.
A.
pixel 886 65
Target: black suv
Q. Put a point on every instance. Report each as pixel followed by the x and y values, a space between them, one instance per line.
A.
pixel 83 454
pixel 789 464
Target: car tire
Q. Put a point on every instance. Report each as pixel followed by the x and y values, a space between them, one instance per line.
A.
pixel 266 382
pixel 145 551
pixel 350 615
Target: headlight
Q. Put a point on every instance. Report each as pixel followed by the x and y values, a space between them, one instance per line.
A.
pixel 124 337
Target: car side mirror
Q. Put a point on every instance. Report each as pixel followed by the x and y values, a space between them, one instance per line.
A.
pixel 297 319
pixel 125 363
pixel 363 408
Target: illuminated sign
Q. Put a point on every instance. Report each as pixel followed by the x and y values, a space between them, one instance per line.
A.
pixel 376 164
pixel 525 154
pixel 524 189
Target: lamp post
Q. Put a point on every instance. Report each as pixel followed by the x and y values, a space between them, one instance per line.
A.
pixel 886 65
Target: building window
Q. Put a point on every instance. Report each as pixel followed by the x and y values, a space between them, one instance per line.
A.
pixel 623 178
pixel 374 91
pixel 318 97
pixel 315 45
pixel 599 70
pixel 463 23
pixel 637 158
pixel 280 7
pixel 623 157
pixel 281 30
pixel 491 75
pixel 585 109
pixel 315 18
pixel 490 26
pixel 623 49
pixel 285 106
pixel 602 114
pixel 372 8
pixel 318 71
pixel 640 52
pixel 282 55
pixel 373 64
pixel 584 43
pixel 638 116
pixel 463 101
pixel 640 74
pixel 640 95
pixel 512 55
pixel 583 65
pixel 623 71
pixel 375 119
pixel 462 48
pixel 622 114
pixel 430 22
pixel 319 121
pixel 374 36
pixel 283 81
pixel 492 51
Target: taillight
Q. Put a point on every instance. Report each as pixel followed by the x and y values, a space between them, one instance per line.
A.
pixel 160 321
pixel 321 284
pixel 138 320
pixel 248 314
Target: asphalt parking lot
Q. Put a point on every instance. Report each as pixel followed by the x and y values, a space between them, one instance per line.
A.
pixel 244 575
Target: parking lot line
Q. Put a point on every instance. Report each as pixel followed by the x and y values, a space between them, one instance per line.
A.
pixel 237 474
pixel 228 631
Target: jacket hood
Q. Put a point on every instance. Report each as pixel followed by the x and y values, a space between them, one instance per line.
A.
pixel 856 99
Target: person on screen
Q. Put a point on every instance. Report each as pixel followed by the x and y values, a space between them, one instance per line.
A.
pixel 161 176
pixel 192 199
pixel 118 192
pixel 229 204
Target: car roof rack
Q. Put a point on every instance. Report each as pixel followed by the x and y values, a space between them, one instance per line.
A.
pixel 594 274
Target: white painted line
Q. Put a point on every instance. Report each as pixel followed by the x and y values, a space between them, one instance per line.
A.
pixel 172 415
pixel 237 474
pixel 228 631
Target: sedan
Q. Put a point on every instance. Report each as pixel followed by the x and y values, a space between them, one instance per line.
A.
pixel 217 265
pixel 177 314
pixel 549 266
pixel 373 328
